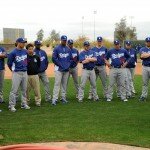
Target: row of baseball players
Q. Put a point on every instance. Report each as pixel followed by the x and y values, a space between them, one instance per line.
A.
pixel 121 61
pixel 28 66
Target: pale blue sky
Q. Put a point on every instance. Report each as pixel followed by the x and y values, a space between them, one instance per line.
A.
pixel 66 16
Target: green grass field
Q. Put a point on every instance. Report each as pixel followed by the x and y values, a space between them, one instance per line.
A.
pixel 50 59
pixel 114 122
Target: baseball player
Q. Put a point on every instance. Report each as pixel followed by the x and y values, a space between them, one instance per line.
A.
pixel 119 58
pixel 33 78
pixel 73 71
pixel 62 58
pixel 88 58
pixel 130 69
pixel 3 55
pixel 44 64
pixel 17 63
pixel 100 68
pixel 145 56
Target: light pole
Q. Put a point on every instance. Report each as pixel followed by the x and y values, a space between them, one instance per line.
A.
pixel 82 25
pixel 95 12
pixel 131 18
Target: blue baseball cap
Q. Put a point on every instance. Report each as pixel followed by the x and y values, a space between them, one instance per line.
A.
pixel 37 42
pixel 21 40
pixel 116 42
pixel 147 39
pixel 99 39
pixel 70 41
pixel 128 42
pixel 64 38
pixel 86 43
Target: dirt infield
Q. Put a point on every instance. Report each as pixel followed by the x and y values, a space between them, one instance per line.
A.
pixel 50 70
pixel 71 146
pixel 92 146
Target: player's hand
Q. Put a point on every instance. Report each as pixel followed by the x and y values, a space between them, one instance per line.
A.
pixel 124 65
pixel 109 66
pixel 85 61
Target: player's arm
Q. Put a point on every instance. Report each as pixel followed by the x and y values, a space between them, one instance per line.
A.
pixel 4 54
pixel 106 59
pixel 82 59
pixel 11 58
pixel 38 61
pixel 71 58
pixel 144 55
pixel 55 57
pixel 77 55
pixel 92 59
pixel 135 56
pixel 128 59
pixel 46 60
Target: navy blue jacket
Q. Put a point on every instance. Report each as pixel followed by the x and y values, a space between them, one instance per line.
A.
pixel 2 61
pixel 75 57
pixel 43 57
pixel 133 59
pixel 62 58
pixel 100 54
pixel 87 54
pixel 118 57
pixel 146 61
pixel 17 60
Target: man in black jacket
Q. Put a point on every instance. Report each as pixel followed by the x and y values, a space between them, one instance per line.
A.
pixel 33 67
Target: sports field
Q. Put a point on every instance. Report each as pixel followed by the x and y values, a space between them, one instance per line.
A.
pixel 115 122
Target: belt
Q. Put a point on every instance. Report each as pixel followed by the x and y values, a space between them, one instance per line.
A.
pixel 116 66
pixel 88 68
pixel 99 65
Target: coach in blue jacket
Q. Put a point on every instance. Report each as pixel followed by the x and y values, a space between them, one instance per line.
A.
pixel 44 64
pixel 62 59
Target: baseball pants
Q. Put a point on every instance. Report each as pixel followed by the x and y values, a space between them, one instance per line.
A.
pixel 2 72
pixel 103 77
pixel 61 79
pixel 88 74
pixel 119 75
pixel 19 79
pixel 43 77
pixel 145 79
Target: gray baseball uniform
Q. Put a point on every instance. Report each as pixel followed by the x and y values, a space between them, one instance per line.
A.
pixel 100 68
pixel 118 57
pixel 19 79
pixel 87 72
pixel 61 57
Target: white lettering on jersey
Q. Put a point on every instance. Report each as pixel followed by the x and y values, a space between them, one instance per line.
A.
pixel 119 55
pixel 61 55
pixel 89 56
pixel 42 58
pixel 74 55
pixel 100 53
pixel 21 58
